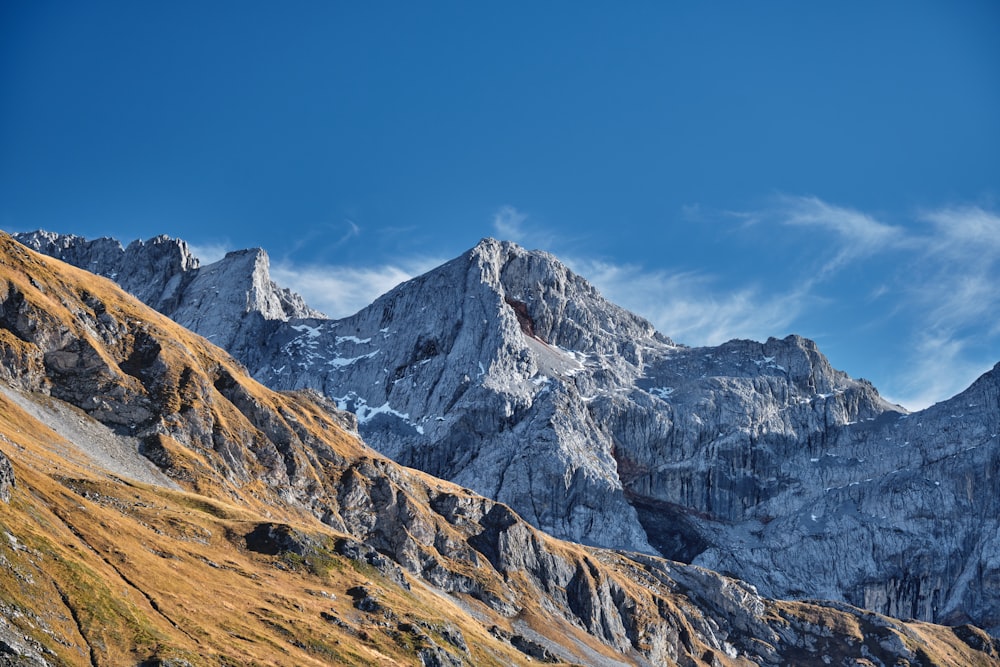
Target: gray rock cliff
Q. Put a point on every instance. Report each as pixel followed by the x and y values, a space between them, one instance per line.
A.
pixel 459 374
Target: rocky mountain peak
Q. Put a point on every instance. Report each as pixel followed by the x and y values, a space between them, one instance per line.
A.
pixel 563 308
pixel 132 267
pixel 175 251
pixel 249 273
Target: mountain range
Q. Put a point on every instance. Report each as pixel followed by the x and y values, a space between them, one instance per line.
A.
pixel 510 376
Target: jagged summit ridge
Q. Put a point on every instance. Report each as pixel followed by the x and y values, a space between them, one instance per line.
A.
pixel 563 308
pixel 506 372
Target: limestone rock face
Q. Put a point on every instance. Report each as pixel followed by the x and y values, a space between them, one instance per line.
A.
pixel 471 373
pixel 897 513
pixel 507 373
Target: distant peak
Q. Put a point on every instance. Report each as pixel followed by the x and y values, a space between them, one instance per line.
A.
pixel 491 245
pixel 168 246
pixel 247 251
pixel 504 251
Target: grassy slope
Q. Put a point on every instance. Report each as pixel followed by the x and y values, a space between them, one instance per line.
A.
pixel 108 571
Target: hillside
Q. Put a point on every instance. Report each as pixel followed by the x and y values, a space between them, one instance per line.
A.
pixel 161 507
pixel 504 372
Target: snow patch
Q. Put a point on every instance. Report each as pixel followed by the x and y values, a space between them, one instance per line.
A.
pixel 353 339
pixel 365 413
pixel 311 332
pixel 768 362
pixel 340 362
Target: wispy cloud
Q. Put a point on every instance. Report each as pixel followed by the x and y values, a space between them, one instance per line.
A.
pixel 691 307
pixel 208 253
pixel 328 236
pixel 938 368
pixel 339 291
pixel 353 231
pixel 512 224
pixel 508 224
pixel 962 229
pixel 950 287
pixel 939 285
pixel 859 235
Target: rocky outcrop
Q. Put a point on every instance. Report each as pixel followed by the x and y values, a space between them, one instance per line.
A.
pixel 16 651
pixel 6 478
pixel 507 373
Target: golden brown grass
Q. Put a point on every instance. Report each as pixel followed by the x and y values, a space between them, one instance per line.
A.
pixel 121 572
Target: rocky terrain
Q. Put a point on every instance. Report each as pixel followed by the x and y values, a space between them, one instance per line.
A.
pixel 160 507
pixel 508 374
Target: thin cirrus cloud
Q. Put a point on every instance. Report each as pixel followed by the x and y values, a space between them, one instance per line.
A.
pixel 951 285
pixel 688 306
pixel 939 368
pixel 511 224
pixel 864 233
pixel 207 253
pixel 508 224
pixel 964 228
pixel 340 291
pixel 859 234
pixel 942 289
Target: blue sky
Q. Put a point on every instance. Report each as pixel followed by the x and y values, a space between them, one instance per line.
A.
pixel 727 169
